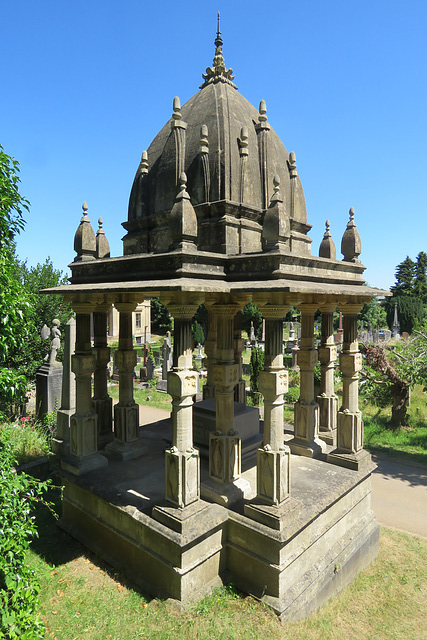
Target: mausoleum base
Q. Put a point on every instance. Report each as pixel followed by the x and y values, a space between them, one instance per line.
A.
pixel 294 557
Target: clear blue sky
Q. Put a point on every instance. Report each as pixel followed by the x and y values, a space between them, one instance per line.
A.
pixel 86 85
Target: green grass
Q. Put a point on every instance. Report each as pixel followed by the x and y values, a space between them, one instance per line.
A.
pixel 158 400
pixel 82 598
pixel 30 440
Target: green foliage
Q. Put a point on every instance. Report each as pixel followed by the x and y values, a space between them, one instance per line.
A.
pixel 28 439
pixel 201 316
pixel 14 301
pixel 251 313
pixel 292 395
pixel 197 332
pixel 43 309
pixel 161 321
pixel 19 586
pixel 420 284
pixel 373 315
pixel 13 387
pixel 405 273
pixel 257 365
pixel 411 312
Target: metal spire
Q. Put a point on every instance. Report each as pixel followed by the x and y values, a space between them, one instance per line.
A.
pixel 218 72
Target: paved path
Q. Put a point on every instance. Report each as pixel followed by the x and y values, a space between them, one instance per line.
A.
pixel 399 490
pixel 399 495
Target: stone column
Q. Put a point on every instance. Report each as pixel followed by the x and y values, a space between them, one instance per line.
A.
pixel 126 444
pixel 83 423
pixel 327 400
pixel 182 460
pixel 102 403
pixel 61 441
pixel 226 371
pixel 240 388
pixel 210 350
pixel 273 459
pixel 349 451
pixel 306 439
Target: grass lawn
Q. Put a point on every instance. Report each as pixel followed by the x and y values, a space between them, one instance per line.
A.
pixel 81 598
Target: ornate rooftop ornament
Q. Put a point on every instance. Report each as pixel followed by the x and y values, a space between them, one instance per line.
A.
pixel 183 220
pixel 327 246
pixel 102 245
pixel 293 172
pixel 144 163
pixel 275 228
pixel 84 239
pixel 351 245
pixel 218 72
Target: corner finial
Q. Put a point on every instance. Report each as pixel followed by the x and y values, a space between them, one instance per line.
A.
pixel 176 109
pixel 351 245
pixel 144 163
pixel 102 246
pixel 84 239
pixel 218 72
pixel 327 246
pixel 293 172
pixel 262 111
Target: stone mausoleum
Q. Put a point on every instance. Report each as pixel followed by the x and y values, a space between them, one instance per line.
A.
pixel 217 216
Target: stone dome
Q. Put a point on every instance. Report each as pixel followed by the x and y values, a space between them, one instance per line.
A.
pixel 230 155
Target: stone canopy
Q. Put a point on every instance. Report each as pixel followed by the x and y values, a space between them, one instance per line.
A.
pixel 217 216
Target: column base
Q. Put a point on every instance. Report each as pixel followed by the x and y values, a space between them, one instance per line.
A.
pixel 125 450
pixel 306 441
pixel 349 432
pixel 360 461
pixel 272 516
pixel 80 466
pixel 186 520
pixel 83 431
pixel 182 477
pixel 328 409
pixel 103 407
pixel 227 495
pixel 273 475
pixel 225 455
pixel 126 422
pixel 61 441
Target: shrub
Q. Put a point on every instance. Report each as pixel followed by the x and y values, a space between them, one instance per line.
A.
pixel 19 586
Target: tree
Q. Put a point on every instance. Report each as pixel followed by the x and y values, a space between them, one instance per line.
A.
pixel 14 301
pixel 373 314
pixel 420 283
pixel 161 321
pixel 405 273
pixel 403 365
pixel 251 313
pixel 44 307
pixel 411 312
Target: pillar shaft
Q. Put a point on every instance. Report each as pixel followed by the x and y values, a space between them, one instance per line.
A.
pixel 102 403
pixel 225 369
pixel 210 351
pixel 238 344
pixel 327 400
pixel 306 441
pixel 182 460
pixel 273 459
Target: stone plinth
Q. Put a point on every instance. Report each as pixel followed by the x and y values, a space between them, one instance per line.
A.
pixel 48 388
pixel 246 424
pixel 225 452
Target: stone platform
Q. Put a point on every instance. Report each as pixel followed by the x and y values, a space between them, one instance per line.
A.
pixel 293 558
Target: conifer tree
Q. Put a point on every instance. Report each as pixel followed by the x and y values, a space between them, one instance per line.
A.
pixel 405 273
pixel 420 283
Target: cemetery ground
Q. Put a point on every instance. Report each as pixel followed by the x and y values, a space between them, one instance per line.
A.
pixel 83 598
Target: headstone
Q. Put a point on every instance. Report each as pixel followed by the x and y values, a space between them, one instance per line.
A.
pixel 396 324
pixel 61 441
pixel 150 369
pixel 252 338
pixel 199 355
pixel 387 335
pixel 49 375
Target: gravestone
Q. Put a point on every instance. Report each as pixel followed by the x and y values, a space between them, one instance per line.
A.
pixel 49 375
pixel 61 441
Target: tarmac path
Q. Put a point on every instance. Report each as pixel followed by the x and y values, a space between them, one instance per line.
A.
pixel 399 489
pixel 399 495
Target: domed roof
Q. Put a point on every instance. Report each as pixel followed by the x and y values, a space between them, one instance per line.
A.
pixel 230 155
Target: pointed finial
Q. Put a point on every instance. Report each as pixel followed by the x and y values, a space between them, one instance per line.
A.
pixel 183 187
pixel 262 111
pixel 204 140
pixel 176 109
pixel 276 197
pixel 144 163
pixel 327 246
pixel 351 245
pixel 84 239
pixel 243 142
pixel 102 246
pixel 293 165
pixel 218 72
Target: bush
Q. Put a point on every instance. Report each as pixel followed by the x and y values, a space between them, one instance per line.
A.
pixel 292 395
pixel 19 586
pixel 257 365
